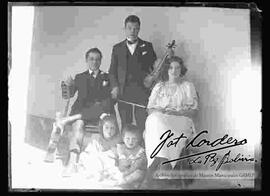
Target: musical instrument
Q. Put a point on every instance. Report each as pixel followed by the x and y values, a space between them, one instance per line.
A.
pixel 151 78
pixel 135 104
pixel 134 122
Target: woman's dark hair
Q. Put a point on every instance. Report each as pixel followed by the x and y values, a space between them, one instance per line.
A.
pixel 108 118
pixel 93 50
pixel 133 19
pixel 165 67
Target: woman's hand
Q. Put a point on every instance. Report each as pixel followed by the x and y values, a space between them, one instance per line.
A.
pixel 174 112
pixel 188 113
pixel 151 110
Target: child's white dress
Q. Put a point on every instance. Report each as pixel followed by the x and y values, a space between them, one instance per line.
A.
pixel 98 163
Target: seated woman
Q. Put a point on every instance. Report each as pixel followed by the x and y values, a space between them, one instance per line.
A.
pixel 171 106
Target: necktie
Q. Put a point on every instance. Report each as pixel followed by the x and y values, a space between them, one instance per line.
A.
pixel 92 74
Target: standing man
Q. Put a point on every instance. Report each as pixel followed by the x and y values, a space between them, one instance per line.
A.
pixel 132 59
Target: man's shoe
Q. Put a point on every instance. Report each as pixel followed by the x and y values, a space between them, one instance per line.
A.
pixel 49 158
pixel 50 154
pixel 70 170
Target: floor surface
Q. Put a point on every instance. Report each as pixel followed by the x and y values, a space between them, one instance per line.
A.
pixel 31 171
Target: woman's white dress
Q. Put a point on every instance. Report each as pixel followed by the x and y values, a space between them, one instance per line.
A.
pixel 177 96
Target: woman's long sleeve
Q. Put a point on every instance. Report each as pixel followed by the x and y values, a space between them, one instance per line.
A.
pixel 152 103
pixel 191 101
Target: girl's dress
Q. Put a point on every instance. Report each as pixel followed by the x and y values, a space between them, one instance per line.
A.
pixel 98 160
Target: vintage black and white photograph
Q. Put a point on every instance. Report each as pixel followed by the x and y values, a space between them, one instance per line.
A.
pixel 134 97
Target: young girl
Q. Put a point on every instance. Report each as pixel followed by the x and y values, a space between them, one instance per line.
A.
pixel 132 160
pixel 98 160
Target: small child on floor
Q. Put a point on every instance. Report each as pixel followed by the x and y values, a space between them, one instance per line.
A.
pixel 98 160
pixel 132 160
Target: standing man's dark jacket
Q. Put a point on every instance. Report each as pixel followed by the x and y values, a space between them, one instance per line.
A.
pixel 128 71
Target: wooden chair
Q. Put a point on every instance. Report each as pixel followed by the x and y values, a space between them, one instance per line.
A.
pixel 88 128
pixel 92 128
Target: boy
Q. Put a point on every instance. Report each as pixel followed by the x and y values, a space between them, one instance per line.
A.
pixel 132 160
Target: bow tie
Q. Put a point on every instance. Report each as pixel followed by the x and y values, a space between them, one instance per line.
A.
pixel 131 43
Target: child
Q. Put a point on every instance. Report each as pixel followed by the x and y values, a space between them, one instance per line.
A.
pixel 99 158
pixel 132 160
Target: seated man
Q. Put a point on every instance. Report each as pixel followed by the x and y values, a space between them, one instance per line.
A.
pixel 93 99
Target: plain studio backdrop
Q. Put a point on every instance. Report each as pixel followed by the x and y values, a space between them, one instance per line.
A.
pixel 49 44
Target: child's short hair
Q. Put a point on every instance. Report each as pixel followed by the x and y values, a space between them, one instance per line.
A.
pixel 108 118
pixel 131 129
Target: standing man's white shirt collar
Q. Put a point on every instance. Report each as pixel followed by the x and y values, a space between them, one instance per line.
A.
pixel 132 47
pixel 94 74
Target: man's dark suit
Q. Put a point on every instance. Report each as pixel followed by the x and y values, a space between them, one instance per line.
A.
pixel 128 71
pixel 94 95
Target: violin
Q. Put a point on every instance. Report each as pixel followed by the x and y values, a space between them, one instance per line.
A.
pixel 151 79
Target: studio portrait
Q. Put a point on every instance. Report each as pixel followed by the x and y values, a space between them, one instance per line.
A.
pixel 134 97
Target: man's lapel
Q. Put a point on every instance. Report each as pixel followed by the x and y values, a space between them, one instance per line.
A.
pixel 124 52
pixel 84 83
pixel 123 55
pixel 138 48
pixel 98 79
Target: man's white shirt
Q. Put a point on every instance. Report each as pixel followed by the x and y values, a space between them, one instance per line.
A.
pixel 94 75
pixel 132 47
